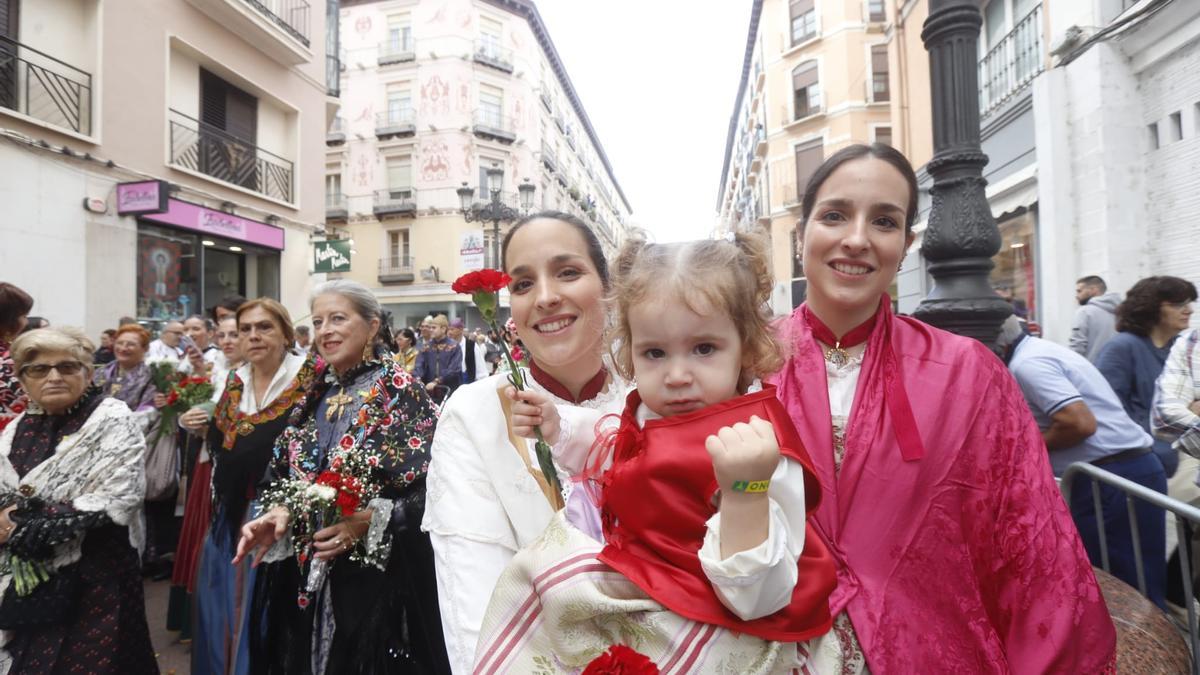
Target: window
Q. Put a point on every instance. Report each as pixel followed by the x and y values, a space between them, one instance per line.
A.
pixel 490 31
pixel 808 157
pixel 1175 127
pixel 333 190
pixel 880 91
pixel 398 251
pixel 883 135
pixel 875 11
pixel 228 132
pixel 807 90
pixel 491 105
pixel 1153 129
pixel 804 20
pixel 399 103
pixel 399 34
pixel 399 177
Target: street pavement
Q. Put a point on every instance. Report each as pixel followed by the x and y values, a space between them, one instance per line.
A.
pixel 173 657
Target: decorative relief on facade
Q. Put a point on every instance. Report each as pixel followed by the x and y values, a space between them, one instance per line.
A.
pixel 435 96
pixel 435 160
pixel 464 96
pixel 468 153
pixel 364 171
pixel 363 26
pixel 518 112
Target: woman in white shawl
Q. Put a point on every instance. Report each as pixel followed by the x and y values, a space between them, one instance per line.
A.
pixel 71 486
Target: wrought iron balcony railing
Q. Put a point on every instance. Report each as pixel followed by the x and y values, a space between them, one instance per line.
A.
pixel 397 50
pixel 217 153
pixel 396 268
pixel 290 15
pixel 38 85
pixel 489 53
pixel 1012 64
pixel 335 207
pixel 395 201
pixel 396 122
pixel 549 158
pixel 336 134
pixel 492 124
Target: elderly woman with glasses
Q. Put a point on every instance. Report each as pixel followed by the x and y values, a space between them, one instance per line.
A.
pixel 71 484
pixel 351 591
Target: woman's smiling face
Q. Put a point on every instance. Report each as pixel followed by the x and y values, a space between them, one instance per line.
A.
pixel 855 238
pixel 556 294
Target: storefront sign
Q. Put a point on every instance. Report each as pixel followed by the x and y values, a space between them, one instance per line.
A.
pixel 331 256
pixel 210 221
pixel 148 196
pixel 470 251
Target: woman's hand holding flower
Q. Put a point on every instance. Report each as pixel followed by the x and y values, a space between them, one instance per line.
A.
pixel 532 409
pixel 340 537
pixel 259 534
pixel 194 420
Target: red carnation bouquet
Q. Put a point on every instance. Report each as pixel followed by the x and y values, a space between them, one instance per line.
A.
pixel 621 660
pixel 183 394
pixel 484 288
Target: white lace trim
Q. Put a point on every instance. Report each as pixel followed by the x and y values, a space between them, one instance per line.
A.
pixel 379 541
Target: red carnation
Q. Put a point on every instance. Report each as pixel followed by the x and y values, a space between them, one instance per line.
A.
pixel 487 280
pixel 172 397
pixel 347 503
pixel 329 478
pixel 621 660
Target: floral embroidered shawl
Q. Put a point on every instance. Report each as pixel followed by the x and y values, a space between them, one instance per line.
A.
pixel 12 395
pixel 964 559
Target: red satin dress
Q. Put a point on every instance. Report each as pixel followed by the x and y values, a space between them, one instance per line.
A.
pixel 658 495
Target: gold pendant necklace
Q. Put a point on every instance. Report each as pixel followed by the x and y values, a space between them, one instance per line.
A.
pixel 337 404
pixel 837 356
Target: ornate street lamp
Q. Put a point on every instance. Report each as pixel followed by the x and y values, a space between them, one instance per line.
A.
pixel 494 210
pixel 962 236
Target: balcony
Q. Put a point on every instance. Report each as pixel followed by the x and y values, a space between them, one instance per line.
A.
pixel 1012 64
pixel 491 54
pixel 549 158
pixel 546 102
pixel 492 125
pixel 42 87
pixel 336 135
pixel 333 76
pixel 395 123
pixel 760 142
pixel 196 146
pixel 395 51
pixel 279 28
pixel 395 202
pixel 335 207
pixel 395 269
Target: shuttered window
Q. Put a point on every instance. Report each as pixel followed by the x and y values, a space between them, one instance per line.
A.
pixel 807 89
pixel 228 108
pixel 880 90
pixel 399 176
pixel 803 20
pixel 808 158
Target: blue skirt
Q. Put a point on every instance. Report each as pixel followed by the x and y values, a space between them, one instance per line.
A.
pixel 221 626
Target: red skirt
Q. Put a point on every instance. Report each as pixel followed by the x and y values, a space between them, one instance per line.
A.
pixel 197 513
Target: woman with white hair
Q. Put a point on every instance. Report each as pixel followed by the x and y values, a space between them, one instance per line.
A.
pixel 357 595
pixel 71 485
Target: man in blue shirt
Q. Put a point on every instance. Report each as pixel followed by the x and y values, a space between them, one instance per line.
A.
pixel 1082 420
pixel 439 363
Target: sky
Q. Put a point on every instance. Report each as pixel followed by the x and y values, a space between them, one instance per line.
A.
pixel 658 80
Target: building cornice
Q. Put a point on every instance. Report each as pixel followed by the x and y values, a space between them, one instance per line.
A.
pixel 527 10
pixel 751 39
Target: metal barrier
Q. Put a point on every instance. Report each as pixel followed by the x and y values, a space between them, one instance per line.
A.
pixel 1186 516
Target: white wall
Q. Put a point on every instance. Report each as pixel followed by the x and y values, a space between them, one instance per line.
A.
pixel 183 90
pixel 64 29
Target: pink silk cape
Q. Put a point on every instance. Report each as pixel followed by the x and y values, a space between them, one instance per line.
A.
pixel 965 559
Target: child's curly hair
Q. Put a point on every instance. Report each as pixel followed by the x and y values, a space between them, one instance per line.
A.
pixel 708 276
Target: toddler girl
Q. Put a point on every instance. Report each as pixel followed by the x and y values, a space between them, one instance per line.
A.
pixel 702 492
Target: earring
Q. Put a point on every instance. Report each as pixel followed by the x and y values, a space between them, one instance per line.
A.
pixel 368 353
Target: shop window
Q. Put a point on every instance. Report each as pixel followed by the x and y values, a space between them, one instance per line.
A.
pixel 1014 275
pixel 168 274
pixel 880 91
pixel 803 20
pixel 806 90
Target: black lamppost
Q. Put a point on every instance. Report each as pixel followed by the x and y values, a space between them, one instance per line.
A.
pixel 962 236
pixel 495 211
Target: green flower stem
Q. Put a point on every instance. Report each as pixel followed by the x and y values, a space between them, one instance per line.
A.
pixel 541 448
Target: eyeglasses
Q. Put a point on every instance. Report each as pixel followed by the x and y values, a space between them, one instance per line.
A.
pixel 37 371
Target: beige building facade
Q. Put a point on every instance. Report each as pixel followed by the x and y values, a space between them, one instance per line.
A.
pixel 816 78
pixel 160 155
pixel 441 95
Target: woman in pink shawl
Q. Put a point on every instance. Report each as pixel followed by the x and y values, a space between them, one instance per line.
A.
pixel 955 552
